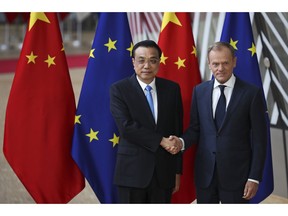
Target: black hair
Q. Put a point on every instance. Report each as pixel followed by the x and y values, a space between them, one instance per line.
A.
pixel 146 43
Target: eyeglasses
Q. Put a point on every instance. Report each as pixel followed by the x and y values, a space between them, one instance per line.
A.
pixel 143 61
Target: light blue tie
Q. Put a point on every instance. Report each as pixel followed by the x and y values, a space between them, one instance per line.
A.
pixel 149 98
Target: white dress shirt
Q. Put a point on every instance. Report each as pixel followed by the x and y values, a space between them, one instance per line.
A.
pixel 227 92
pixel 154 95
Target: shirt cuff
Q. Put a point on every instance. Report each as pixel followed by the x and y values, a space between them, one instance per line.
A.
pixel 183 144
pixel 253 180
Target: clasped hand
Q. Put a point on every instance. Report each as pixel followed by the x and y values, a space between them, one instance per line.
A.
pixel 172 144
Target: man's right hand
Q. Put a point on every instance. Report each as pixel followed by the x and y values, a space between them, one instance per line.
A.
pixel 172 144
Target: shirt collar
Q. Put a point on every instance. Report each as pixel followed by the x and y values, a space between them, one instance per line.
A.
pixel 143 85
pixel 230 83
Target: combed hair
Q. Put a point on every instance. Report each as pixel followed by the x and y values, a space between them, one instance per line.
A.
pixel 219 45
pixel 146 43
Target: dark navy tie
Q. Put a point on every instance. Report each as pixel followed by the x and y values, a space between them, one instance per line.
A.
pixel 221 108
pixel 149 98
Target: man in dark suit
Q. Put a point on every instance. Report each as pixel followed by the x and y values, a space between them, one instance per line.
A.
pixel 145 172
pixel 231 153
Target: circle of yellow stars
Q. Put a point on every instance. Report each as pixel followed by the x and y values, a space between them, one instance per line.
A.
pixel 111 45
pixel 93 135
pixel 252 49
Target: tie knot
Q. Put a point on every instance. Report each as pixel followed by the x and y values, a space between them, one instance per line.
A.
pixel 222 87
pixel 148 88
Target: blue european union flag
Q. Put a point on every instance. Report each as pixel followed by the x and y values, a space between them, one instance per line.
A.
pixel 237 31
pixel 96 137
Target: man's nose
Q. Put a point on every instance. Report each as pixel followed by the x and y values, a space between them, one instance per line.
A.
pixel 220 67
pixel 146 64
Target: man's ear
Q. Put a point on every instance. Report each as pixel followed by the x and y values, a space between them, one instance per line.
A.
pixel 235 61
pixel 208 62
pixel 133 62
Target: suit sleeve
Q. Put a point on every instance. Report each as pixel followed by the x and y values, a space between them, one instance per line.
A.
pixel 191 134
pixel 259 136
pixel 179 116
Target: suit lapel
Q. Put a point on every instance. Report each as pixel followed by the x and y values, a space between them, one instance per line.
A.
pixel 141 99
pixel 160 100
pixel 205 98
pixel 235 99
pixel 209 98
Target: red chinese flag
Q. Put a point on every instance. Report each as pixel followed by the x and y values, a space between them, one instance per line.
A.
pixel 40 116
pixel 179 63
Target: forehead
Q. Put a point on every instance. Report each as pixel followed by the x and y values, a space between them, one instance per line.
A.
pixel 146 52
pixel 222 53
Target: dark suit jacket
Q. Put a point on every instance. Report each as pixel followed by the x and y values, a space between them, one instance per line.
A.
pixel 139 150
pixel 239 147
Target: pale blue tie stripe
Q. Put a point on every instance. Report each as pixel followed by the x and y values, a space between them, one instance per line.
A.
pixel 149 98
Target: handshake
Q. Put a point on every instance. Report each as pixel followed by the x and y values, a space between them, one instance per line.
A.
pixel 172 144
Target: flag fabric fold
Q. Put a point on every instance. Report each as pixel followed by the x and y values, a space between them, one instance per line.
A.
pixel 237 31
pixel 179 63
pixel 95 133
pixel 40 116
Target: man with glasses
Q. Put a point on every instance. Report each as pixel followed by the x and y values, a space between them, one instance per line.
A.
pixel 146 109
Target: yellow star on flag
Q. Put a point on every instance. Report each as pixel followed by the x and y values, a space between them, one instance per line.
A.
pixel 194 51
pixel 233 43
pixel 77 119
pixel 92 135
pixel 37 16
pixel 163 59
pixel 180 62
pixel 169 17
pixel 130 48
pixel 50 61
pixel 114 140
pixel 92 53
pixel 111 44
pixel 252 49
pixel 31 57
pixel 62 47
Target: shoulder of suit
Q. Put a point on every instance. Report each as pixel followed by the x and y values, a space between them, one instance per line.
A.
pixel 163 81
pixel 121 82
pixel 246 84
pixel 205 84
